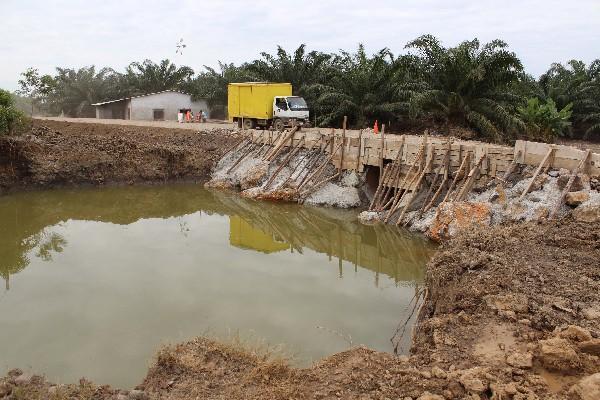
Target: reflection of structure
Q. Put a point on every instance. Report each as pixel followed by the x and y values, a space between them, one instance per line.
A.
pixel 262 226
pixel 245 236
pixel 381 249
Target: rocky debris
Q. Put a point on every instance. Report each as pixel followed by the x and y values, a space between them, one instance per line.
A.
pixel 591 346
pixel 539 182
pixel 575 333
pixel 471 380
pixel 578 182
pixel 587 213
pixel 255 175
pixel 222 184
pixel 558 354
pixel 520 360
pixel 591 313
pixel 455 217
pixel 429 396
pixel 595 184
pixel 587 388
pixel 369 217
pixel 286 195
pixel 574 199
pixel 332 194
pixel 5 389
pixel 515 302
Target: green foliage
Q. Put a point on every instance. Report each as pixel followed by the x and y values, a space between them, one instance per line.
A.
pixel 12 121
pixel 362 87
pixel 579 85
pixel 75 91
pixel 468 85
pixel 544 121
pixel 212 86
pixel 482 87
pixel 149 77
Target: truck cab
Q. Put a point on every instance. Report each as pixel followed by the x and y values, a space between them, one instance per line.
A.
pixel 289 110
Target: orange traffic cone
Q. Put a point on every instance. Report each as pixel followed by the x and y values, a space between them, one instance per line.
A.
pixel 376 127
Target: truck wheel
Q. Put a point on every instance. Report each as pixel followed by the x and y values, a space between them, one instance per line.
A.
pixel 278 125
pixel 248 123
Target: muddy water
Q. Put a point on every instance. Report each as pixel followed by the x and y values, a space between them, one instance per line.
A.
pixel 95 280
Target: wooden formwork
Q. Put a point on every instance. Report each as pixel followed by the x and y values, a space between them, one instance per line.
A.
pixel 365 149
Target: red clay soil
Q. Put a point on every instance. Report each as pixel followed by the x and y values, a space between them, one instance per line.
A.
pixel 510 313
pixel 66 153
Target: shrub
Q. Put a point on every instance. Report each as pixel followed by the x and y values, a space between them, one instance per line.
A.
pixel 12 121
pixel 544 121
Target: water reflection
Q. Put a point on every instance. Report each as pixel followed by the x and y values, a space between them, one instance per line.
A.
pixel 97 279
pixel 27 220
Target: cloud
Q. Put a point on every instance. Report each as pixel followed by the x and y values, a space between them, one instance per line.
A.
pixel 114 33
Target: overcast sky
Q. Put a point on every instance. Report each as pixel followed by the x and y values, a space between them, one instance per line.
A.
pixel 45 34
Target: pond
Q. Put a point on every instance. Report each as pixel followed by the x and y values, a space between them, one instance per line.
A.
pixel 96 280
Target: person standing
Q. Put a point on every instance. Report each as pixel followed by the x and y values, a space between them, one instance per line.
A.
pixel 188 113
pixel 180 116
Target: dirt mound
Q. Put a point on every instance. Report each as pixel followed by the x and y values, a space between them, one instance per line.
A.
pixel 59 153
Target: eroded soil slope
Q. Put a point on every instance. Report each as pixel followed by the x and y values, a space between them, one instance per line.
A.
pixel 67 153
pixel 510 313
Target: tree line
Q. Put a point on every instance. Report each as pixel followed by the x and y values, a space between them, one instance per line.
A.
pixel 482 87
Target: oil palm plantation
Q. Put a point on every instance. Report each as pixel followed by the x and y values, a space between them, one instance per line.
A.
pixel 579 85
pixel 468 85
pixel 362 88
pixel 149 77
pixel 75 91
pixel 300 68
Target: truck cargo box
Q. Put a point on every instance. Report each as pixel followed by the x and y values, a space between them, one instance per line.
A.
pixel 254 99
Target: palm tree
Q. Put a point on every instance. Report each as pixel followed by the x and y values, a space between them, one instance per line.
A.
pixel 468 85
pixel 362 88
pixel 300 68
pixel 75 90
pixel 579 85
pixel 149 77
pixel 212 85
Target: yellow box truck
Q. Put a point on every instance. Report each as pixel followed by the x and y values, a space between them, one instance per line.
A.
pixel 264 104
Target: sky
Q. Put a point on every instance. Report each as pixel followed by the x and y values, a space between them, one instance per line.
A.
pixel 46 34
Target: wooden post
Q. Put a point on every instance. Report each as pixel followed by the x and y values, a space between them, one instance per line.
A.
pixel 343 147
pixel 570 183
pixel 359 150
pixel 471 178
pixel 292 153
pixel 537 172
pixel 382 152
pixel 414 192
pixel 462 166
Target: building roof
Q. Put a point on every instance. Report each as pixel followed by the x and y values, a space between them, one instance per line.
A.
pixel 135 97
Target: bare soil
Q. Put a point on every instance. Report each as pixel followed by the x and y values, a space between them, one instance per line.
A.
pixel 510 312
pixel 72 153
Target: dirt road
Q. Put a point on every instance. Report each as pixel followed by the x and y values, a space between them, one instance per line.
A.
pixel 211 124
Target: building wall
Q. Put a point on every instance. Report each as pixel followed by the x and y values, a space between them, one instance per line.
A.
pixel 117 110
pixel 142 108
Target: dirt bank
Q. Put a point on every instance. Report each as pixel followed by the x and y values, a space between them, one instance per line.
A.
pixel 68 153
pixel 510 313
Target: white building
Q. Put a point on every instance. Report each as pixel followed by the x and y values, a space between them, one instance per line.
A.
pixel 160 106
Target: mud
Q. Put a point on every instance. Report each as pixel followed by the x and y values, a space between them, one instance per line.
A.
pixel 509 313
pixel 58 153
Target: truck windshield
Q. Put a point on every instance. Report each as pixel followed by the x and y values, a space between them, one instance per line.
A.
pixel 297 104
